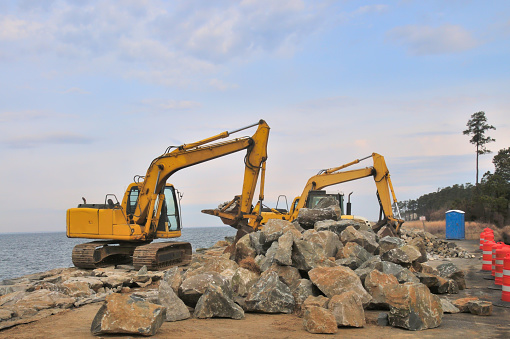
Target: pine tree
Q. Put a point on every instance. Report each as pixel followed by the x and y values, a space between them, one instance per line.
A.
pixel 477 126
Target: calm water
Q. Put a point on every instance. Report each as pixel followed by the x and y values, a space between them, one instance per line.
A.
pixel 27 253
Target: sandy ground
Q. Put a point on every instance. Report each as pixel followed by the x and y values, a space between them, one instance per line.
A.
pixel 76 323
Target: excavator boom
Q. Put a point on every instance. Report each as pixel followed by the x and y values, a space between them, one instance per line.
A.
pixel 150 209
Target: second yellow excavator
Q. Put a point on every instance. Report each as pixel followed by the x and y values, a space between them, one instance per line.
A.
pixel 313 193
pixel 150 207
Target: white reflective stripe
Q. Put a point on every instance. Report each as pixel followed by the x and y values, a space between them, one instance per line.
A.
pixel 499 274
pixel 506 272
pixel 499 262
pixel 487 262
pixel 487 252
pixel 506 288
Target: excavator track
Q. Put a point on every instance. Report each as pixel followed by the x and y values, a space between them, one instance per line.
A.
pixel 162 255
pixel 97 254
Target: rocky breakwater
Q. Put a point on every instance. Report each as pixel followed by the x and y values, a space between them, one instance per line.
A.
pixel 327 271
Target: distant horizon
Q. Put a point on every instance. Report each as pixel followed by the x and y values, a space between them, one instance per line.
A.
pixel 98 239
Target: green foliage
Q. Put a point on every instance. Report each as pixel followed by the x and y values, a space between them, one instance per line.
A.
pixel 487 202
pixel 477 126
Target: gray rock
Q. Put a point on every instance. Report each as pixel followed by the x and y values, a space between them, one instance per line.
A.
pixel 337 280
pixel 244 248
pixel 480 307
pixel 319 320
pixel 436 284
pixel 335 226
pixel 258 242
pixel 389 243
pixel 347 309
pixel 354 250
pixel 364 239
pixel 274 229
pixel 192 288
pixel 175 307
pixel 302 291
pixel 396 256
pixel 450 271
pixel 326 243
pixel 242 280
pixel 269 257
pixel 214 303
pixel 283 254
pixel 308 217
pixel 270 295
pixel 352 262
pixel 413 307
pixel 305 256
pixel 288 275
pixel 173 277
pixel 382 319
pixel 124 314
pixel 448 307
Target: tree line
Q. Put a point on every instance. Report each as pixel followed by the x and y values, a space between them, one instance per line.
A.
pixel 486 201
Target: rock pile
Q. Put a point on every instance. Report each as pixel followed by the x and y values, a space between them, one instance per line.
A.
pixel 436 248
pixel 329 274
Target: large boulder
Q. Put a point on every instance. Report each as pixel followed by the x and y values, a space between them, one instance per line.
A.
pixel 389 243
pixel 270 295
pixel 288 275
pixel 302 291
pixel 326 243
pixel 335 226
pixel 192 288
pixel 243 280
pixel 413 307
pixel 319 320
pixel 450 271
pixel 337 280
pixel 438 285
pixel 283 254
pixel 124 314
pixel 175 307
pixel 364 239
pixel 347 309
pixel 173 277
pixel 274 228
pixel 269 258
pixel 244 248
pixel 305 256
pixel 216 303
pixel 307 217
pixel 354 250
pixel 258 242
pixel 379 285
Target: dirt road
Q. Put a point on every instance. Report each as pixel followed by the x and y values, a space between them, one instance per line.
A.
pixel 75 323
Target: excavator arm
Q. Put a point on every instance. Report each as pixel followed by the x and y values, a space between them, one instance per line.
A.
pixel 379 171
pixel 188 155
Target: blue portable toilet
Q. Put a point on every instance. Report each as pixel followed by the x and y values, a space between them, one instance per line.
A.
pixel 455 224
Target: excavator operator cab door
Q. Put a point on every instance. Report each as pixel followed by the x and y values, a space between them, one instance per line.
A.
pixel 169 220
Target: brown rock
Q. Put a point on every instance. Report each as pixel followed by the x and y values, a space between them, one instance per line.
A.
pixel 379 285
pixel 124 314
pixel 337 280
pixel 480 307
pixel 413 307
pixel 347 309
pixel 319 301
pixel 462 303
pixel 319 320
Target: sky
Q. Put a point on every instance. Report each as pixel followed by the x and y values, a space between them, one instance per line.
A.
pixel 92 91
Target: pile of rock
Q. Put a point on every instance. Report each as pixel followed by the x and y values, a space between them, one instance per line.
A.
pixel 328 273
pixel 436 248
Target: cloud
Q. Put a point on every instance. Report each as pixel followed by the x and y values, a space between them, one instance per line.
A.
pixel 11 116
pixel 75 90
pixel 58 138
pixel 221 85
pixel 427 40
pixel 12 28
pixel 371 9
pixel 166 105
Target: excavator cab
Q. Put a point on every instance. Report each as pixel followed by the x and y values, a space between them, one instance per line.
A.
pixel 169 219
pixel 315 196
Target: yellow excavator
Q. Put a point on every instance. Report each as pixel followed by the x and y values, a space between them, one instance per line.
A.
pixel 313 193
pixel 150 208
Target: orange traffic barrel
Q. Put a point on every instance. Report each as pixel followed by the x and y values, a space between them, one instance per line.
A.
pixel 505 294
pixel 482 239
pixel 500 256
pixel 487 255
pixel 495 247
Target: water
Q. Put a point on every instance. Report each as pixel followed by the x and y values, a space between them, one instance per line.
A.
pixel 27 253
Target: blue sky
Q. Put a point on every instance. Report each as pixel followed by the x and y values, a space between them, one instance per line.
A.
pixel 92 91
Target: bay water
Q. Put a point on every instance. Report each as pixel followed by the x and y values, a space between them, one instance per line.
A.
pixel 27 253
